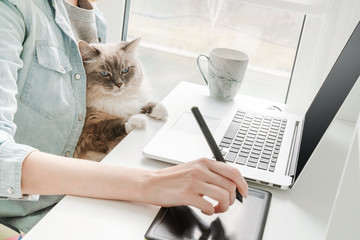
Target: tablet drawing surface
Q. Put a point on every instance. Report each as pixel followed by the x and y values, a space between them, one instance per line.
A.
pixel 242 221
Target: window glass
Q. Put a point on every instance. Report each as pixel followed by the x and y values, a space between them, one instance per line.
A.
pixel 175 32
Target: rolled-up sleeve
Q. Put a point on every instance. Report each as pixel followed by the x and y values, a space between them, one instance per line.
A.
pixel 12 155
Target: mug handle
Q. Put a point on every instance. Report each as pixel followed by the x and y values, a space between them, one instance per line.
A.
pixel 199 66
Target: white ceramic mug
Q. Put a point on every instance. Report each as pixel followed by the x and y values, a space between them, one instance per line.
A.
pixel 226 71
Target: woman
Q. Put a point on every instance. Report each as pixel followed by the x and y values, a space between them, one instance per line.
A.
pixel 42 109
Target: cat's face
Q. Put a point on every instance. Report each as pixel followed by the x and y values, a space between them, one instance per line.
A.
pixel 111 68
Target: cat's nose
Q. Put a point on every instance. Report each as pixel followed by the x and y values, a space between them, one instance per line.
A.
pixel 118 82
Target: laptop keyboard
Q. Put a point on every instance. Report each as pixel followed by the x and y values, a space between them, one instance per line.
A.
pixel 253 140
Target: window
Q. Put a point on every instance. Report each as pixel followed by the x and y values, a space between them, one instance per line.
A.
pixel 174 32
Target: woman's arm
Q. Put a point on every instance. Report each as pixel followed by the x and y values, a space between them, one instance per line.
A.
pixel 12 32
pixel 48 174
pixel 184 184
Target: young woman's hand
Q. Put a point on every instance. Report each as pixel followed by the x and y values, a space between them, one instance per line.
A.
pixel 186 184
pixel 180 185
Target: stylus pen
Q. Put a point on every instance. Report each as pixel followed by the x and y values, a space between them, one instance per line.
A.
pixel 211 141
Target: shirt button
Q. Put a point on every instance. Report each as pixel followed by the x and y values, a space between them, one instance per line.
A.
pixel 81 117
pixel 77 76
pixel 10 190
pixel 68 154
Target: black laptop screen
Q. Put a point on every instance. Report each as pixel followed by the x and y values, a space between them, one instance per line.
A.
pixel 330 97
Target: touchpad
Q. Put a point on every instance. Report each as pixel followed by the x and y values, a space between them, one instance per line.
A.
pixel 187 123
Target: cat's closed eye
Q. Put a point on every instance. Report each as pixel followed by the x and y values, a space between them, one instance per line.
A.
pixel 104 73
pixel 125 70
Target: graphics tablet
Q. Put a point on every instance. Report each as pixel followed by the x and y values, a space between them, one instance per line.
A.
pixel 242 221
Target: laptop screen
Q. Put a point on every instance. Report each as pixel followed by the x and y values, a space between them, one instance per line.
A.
pixel 330 97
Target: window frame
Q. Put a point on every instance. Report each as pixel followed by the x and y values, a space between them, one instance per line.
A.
pixel 325 32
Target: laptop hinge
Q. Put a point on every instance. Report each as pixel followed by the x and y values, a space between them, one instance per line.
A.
pixel 293 155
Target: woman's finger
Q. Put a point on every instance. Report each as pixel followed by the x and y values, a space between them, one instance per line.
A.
pixel 230 173
pixel 199 202
pixel 218 194
pixel 222 182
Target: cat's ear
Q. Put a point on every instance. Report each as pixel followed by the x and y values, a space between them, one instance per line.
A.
pixel 131 46
pixel 87 52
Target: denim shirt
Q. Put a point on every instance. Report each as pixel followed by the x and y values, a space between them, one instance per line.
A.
pixel 42 96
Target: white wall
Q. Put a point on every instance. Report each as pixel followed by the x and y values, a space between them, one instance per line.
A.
pixel 113 12
pixel 344 24
pixel 345 214
pixel 324 40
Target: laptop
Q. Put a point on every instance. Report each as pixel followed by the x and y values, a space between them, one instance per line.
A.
pixel 268 146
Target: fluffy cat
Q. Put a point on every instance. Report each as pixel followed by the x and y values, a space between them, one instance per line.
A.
pixel 116 97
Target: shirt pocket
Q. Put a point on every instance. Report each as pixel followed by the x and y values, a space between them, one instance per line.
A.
pixel 48 88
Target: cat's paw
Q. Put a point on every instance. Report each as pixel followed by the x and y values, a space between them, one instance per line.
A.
pixel 159 112
pixel 136 121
